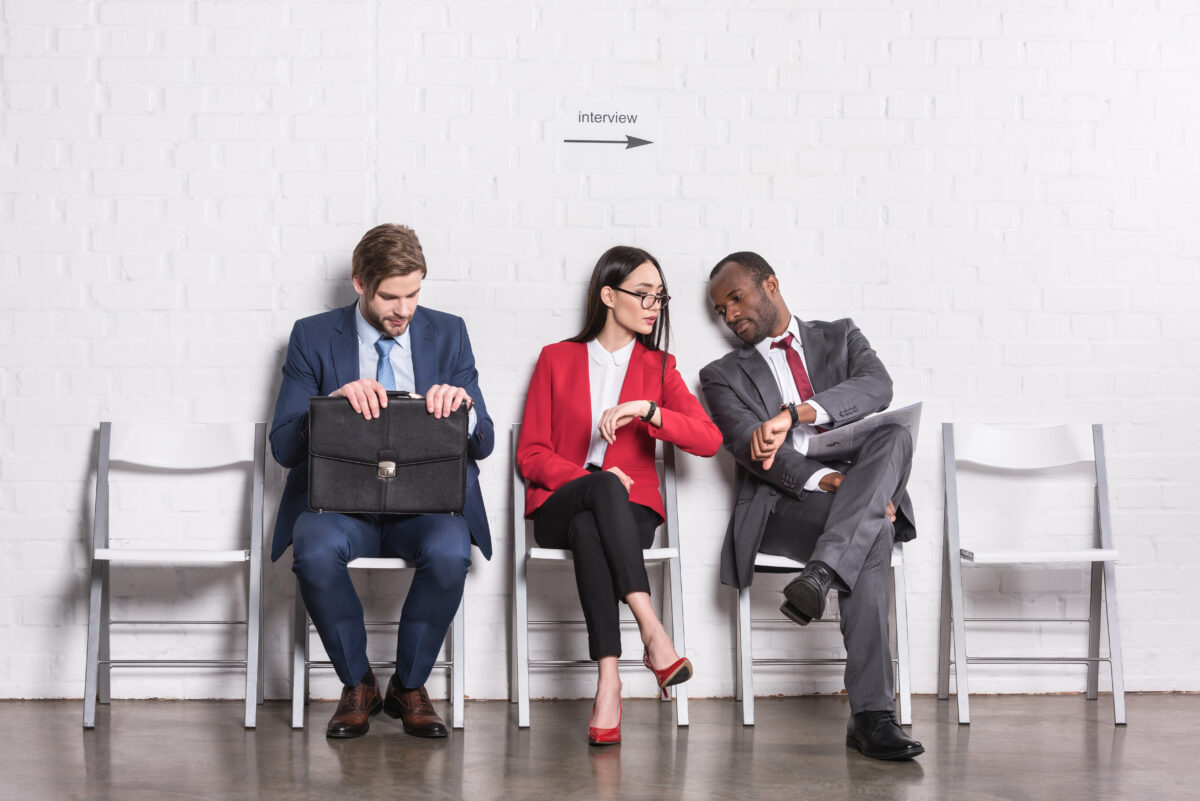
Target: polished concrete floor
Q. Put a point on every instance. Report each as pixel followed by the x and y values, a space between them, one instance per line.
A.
pixel 1024 748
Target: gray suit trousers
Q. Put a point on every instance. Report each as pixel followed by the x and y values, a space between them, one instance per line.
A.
pixel 849 531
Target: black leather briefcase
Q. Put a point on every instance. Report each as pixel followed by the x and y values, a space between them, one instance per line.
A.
pixel 405 461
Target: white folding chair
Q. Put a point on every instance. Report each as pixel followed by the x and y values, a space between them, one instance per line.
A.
pixel 174 451
pixel 746 661
pixel 1027 450
pixel 672 609
pixel 302 663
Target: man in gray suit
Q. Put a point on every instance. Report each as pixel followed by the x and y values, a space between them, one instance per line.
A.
pixel 789 380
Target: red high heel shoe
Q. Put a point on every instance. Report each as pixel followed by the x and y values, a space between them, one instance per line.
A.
pixel 677 673
pixel 605 736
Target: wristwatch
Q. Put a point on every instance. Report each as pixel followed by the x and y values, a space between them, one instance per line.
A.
pixel 791 410
pixel 648 416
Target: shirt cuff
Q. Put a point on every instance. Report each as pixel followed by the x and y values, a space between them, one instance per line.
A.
pixel 823 417
pixel 814 481
pixel 472 421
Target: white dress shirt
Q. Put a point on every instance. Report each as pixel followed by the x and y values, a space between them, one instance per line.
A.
pixel 777 360
pixel 400 357
pixel 606 374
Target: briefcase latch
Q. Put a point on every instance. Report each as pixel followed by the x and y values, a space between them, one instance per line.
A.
pixel 387 469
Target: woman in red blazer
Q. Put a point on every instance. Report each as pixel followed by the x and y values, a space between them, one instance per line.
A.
pixel 596 404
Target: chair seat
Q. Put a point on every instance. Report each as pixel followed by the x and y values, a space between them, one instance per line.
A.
pixel 563 555
pixel 378 563
pixel 770 561
pixel 166 556
pixel 1037 557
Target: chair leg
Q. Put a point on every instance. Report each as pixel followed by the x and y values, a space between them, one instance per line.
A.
pixel 91 665
pixel 674 573
pixel 458 668
pixel 957 615
pixel 1093 671
pixel 900 607
pixel 512 647
pixel 521 641
pixel 745 647
pixel 104 687
pixel 944 655
pixel 1114 643
pixel 299 662
pixel 253 642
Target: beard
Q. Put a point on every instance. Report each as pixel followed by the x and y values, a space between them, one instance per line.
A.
pixel 763 318
pixel 379 324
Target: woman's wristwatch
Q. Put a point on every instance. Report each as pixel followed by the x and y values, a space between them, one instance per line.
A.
pixel 648 416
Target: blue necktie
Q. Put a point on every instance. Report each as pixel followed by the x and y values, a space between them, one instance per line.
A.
pixel 383 372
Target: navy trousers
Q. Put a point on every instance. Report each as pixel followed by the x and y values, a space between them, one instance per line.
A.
pixel 438 546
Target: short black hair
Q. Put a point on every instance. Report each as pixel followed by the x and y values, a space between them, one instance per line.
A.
pixel 754 265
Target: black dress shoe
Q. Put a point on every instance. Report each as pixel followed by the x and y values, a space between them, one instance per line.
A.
pixel 806 593
pixel 415 711
pixel 352 718
pixel 878 736
pixel 794 614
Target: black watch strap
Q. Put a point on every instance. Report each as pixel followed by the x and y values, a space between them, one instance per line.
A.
pixel 791 409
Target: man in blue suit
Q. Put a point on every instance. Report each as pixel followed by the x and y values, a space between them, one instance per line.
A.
pixel 383 341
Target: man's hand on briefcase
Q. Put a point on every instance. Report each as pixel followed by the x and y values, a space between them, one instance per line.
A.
pixel 442 399
pixel 366 395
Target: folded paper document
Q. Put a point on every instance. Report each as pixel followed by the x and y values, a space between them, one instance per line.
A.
pixel 844 441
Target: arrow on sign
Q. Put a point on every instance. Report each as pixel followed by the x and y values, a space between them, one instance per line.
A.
pixel 628 141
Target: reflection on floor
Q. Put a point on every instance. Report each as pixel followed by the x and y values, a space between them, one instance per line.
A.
pixel 1017 747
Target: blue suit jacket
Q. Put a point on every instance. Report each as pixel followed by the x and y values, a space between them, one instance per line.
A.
pixel 322 355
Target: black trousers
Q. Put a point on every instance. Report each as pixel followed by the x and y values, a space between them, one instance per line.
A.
pixel 593 517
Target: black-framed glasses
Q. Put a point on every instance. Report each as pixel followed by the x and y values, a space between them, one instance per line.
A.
pixel 647 299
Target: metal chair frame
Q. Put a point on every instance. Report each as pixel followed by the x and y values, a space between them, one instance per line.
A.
pixel 746 660
pixel 1028 450
pixel 523 556
pixel 302 661
pixel 177 449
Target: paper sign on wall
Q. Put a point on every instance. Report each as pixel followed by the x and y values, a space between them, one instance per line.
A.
pixel 608 136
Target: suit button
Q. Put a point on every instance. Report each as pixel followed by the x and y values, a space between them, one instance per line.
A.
pixel 774 492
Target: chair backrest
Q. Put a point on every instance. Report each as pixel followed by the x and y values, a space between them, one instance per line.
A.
pixel 1025 449
pixel 1022 448
pixel 180 448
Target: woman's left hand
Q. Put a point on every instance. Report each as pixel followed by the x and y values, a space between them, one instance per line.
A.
pixel 619 415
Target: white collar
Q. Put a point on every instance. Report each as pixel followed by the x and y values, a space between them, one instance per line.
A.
pixel 617 358
pixel 793 328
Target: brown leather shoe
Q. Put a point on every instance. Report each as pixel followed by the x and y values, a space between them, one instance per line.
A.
pixel 419 717
pixel 352 718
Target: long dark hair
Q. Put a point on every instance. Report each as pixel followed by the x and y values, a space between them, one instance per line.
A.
pixel 611 270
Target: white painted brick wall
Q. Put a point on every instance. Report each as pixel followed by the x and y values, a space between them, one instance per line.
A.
pixel 1006 198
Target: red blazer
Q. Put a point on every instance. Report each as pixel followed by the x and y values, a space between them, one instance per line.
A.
pixel 557 425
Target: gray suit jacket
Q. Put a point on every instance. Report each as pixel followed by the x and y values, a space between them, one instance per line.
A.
pixel 849 381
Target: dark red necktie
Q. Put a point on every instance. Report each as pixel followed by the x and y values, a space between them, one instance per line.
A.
pixel 796 365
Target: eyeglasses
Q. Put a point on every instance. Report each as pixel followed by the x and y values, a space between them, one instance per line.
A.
pixel 647 299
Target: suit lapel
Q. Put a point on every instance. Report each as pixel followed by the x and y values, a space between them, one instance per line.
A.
pixel 761 378
pixel 631 388
pixel 816 360
pixel 576 408
pixel 345 348
pixel 424 352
